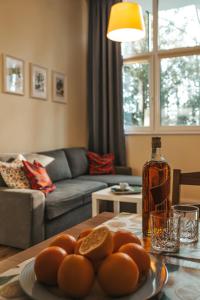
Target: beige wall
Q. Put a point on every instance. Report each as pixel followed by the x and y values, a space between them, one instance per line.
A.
pixel 51 33
pixel 181 151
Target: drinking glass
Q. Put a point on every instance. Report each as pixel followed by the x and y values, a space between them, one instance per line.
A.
pixel 189 222
pixel 165 231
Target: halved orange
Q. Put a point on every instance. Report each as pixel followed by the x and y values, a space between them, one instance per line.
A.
pixel 84 233
pixel 98 244
pixel 78 244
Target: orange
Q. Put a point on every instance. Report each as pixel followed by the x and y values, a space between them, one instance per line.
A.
pixel 139 255
pixel 47 263
pixel 123 237
pixel 96 264
pixel 118 275
pixel 76 276
pixel 78 244
pixel 98 244
pixel 65 241
pixel 84 233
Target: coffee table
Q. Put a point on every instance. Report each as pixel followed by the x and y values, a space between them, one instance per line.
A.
pixel 106 194
pixel 184 274
pixel 32 251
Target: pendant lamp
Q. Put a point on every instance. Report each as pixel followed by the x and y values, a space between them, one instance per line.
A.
pixel 126 23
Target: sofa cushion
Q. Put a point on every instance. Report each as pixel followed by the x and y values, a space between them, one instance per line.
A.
pixel 101 164
pixel 13 174
pixel 78 161
pixel 38 177
pixel 113 179
pixel 42 159
pixel 6 157
pixel 58 169
pixel 69 194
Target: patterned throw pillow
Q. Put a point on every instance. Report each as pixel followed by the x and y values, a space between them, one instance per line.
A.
pixel 13 174
pixel 101 164
pixel 38 177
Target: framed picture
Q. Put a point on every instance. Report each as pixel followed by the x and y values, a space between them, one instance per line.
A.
pixel 38 82
pixel 59 87
pixel 13 75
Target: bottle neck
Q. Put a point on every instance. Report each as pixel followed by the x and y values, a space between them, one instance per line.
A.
pixel 156 154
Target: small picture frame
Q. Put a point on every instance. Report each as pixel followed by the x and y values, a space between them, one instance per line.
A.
pixel 38 78
pixel 13 75
pixel 59 87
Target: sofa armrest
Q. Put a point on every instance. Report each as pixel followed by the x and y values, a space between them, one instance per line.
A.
pixel 21 217
pixel 123 170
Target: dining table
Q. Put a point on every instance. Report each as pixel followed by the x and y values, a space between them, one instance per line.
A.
pixel 183 268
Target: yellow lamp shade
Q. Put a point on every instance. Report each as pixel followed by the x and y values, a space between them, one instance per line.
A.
pixel 126 22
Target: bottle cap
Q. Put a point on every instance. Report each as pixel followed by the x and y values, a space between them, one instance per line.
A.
pixel 156 142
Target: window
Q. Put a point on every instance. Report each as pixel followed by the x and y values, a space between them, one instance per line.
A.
pixel 136 82
pixel 161 73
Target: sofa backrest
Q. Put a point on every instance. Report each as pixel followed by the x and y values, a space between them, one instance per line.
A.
pixel 59 168
pixel 67 163
pixel 78 161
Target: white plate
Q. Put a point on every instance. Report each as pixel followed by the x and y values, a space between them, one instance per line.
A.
pixel 155 281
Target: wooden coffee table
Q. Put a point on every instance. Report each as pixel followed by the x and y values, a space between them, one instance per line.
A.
pixel 30 252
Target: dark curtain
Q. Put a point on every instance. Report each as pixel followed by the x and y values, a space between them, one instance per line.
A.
pixel 105 103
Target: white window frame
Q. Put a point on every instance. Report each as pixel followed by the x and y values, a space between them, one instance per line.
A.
pixel 141 59
pixel 154 58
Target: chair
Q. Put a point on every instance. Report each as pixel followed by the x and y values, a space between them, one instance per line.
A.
pixel 179 179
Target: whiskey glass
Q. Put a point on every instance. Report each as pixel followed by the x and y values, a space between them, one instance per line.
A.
pixel 165 231
pixel 189 222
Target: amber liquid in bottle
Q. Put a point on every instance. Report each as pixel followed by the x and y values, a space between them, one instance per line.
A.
pixel 156 188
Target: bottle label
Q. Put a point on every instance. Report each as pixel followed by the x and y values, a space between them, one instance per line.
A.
pixel 160 195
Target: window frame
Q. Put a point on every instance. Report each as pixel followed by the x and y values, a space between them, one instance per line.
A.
pixel 149 60
pixel 154 58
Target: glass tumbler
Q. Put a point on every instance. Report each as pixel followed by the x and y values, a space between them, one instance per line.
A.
pixel 189 223
pixel 165 231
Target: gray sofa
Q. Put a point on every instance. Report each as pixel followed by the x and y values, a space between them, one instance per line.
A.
pixel 27 217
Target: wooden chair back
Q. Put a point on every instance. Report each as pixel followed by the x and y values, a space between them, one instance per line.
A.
pixel 179 179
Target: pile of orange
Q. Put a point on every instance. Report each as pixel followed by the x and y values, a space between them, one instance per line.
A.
pixel 117 260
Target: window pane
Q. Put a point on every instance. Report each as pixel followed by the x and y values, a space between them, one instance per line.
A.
pixel 179 23
pixel 146 44
pixel 180 91
pixel 136 95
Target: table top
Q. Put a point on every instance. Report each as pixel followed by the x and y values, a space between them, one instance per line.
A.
pixel 188 256
pixel 184 268
pixel 107 194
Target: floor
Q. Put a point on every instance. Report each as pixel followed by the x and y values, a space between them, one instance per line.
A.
pixel 6 252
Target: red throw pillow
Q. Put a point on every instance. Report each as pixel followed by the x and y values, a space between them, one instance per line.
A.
pixel 101 164
pixel 38 177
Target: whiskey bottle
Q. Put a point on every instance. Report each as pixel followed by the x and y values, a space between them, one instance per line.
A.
pixel 155 185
